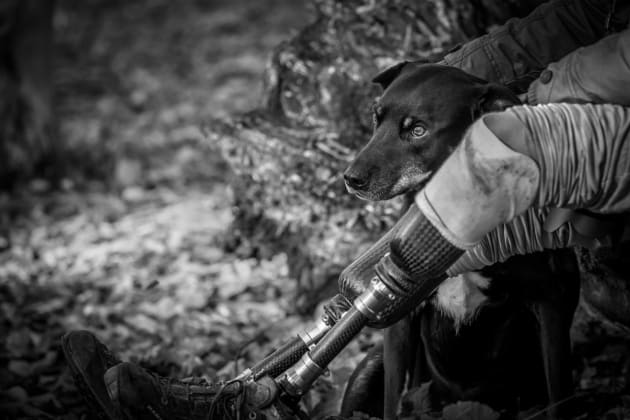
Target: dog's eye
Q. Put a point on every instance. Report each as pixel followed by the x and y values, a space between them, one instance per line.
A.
pixel 418 130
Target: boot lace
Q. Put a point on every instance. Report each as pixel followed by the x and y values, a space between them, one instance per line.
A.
pixel 166 384
pixel 228 402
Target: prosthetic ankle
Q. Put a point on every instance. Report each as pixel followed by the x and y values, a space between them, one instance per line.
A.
pixel 414 266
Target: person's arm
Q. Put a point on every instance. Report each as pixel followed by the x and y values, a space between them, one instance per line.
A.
pixel 527 233
pixel 599 73
pixel 484 198
pixel 515 53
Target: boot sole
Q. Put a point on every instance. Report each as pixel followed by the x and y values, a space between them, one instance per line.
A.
pixel 93 403
pixel 113 391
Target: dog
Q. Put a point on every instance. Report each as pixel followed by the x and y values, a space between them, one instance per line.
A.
pixel 466 334
pixel 477 339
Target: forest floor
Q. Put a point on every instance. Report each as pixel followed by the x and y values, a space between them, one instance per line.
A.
pixel 140 258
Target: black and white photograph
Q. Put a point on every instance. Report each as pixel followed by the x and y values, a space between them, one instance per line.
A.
pixel 315 209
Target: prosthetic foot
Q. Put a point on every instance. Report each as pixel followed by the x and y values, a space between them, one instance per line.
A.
pixel 115 390
pixel 142 395
pixel 88 360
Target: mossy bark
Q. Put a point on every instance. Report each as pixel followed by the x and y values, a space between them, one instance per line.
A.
pixel 290 153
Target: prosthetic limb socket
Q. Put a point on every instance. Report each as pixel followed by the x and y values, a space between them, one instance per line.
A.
pixel 405 276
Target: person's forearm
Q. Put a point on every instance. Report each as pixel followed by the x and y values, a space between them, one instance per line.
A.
pixel 557 155
pixel 583 152
pixel 525 234
pixel 515 53
pixel 599 73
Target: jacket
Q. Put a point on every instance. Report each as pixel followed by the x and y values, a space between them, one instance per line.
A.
pixel 517 53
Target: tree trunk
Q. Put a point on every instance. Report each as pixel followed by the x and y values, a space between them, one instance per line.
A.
pixel 26 123
pixel 290 153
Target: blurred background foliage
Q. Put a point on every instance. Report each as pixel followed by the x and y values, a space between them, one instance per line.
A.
pixel 170 177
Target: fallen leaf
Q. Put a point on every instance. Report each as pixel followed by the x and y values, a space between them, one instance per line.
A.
pixel 20 367
pixel 469 410
pixel 17 393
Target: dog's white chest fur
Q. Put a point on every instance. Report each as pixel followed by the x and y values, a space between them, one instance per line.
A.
pixel 461 297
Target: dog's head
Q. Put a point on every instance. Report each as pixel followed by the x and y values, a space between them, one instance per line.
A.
pixel 422 115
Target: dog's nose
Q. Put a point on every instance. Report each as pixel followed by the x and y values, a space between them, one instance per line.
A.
pixel 355 182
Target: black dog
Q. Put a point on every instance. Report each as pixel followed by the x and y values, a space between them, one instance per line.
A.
pixel 420 118
pixel 478 339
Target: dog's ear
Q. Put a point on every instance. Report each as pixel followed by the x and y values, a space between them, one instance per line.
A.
pixel 387 76
pixel 494 98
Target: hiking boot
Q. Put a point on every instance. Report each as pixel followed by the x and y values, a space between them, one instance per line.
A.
pixel 88 360
pixel 139 394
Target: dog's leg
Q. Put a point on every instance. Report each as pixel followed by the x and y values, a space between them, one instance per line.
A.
pixel 556 353
pixel 364 391
pixel 554 313
pixel 396 354
pixel 418 368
